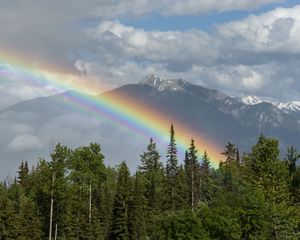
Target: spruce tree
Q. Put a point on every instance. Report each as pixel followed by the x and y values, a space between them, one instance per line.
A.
pixel 230 153
pixel 171 171
pixel 136 210
pixel 119 227
pixel 191 166
pixel 206 186
pixel 152 170
pixel 23 175
pixel 272 175
pixel 292 157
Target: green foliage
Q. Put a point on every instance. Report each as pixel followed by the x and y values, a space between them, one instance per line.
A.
pixel 137 210
pixel 192 172
pixel 179 226
pixel 119 227
pixel 255 197
pixel 152 171
pixel 171 170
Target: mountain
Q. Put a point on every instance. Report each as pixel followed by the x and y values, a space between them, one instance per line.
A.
pixel 215 114
pixel 28 127
pixel 292 107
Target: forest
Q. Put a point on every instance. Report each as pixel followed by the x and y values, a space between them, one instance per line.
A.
pixel 253 195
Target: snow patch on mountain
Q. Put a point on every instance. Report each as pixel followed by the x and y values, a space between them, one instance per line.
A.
pixel 288 107
pixel 251 100
pixel 162 84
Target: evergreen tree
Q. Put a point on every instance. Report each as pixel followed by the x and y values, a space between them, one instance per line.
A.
pixel 119 227
pixel 179 226
pixel 272 175
pixel 136 211
pixel 292 157
pixel 23 175
pixel 30 225
pixel 8 221
pixel 206 186
pixel 191 166
pixel 106 200
pixel 171 172
pixel 230 153
pixel 152 170
pixel 182 188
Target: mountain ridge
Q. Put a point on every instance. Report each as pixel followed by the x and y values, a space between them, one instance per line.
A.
pixel 212 114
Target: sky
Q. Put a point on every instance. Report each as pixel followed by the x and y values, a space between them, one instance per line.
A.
pixel 240 47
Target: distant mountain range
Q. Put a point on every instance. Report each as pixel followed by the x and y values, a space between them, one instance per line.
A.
pixel 292 107
pixel 210 112
pixel 219 116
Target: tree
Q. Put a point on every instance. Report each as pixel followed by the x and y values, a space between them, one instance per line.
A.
pixel 272 175
pixel 171 171
pixel 119 227
pixel 152 170
pixel 23 175
pixel 58 185
pixel 206 186
pixel 291 158
pixel 230 153
pixel 8 223
pixel 179 226
pixel 137 210
pixel 191 166
pixel 87 171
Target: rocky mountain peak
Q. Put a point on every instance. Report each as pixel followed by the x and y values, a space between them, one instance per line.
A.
pixel 162 84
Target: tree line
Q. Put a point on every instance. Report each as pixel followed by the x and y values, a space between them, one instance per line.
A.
pixel 75 196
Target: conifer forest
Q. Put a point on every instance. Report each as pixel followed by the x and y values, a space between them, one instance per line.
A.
pixel 253 195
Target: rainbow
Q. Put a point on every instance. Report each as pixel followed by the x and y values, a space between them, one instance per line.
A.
pixel 121 109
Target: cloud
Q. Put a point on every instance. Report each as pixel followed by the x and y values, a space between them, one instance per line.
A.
pixel 255 55
pixel 24 142
pixel 201 7
pixel 272 32
pixel 66 35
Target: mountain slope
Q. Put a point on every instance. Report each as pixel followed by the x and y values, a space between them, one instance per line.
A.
pixel 28 127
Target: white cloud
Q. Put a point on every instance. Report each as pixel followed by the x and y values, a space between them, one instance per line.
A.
pixel 274 32
pixel 247 55
pixel 24 142
pixel 201 7
pixel 258 54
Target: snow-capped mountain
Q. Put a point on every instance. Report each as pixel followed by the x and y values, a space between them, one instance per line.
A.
pixel 162 84
pixel 212 114
pixel 251 100
pixel 287 107
pixel 293 106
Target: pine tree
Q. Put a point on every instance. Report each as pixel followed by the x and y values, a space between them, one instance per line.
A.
pixel 8 221
pixel 191 166
pixel 30 224
pixel 136 211
pixel 119 227
pixel 152 170
pixel 106 200
pixel 272 175
pixel 230 153
pixel 206 181
pixel 171 171
pixel 23 175
pixel 182 188
pixel 291 158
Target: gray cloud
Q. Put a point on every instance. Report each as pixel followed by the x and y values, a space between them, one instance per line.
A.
pixel 200 7
pixel 256 55
pixel 28 139
pixel 24 142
